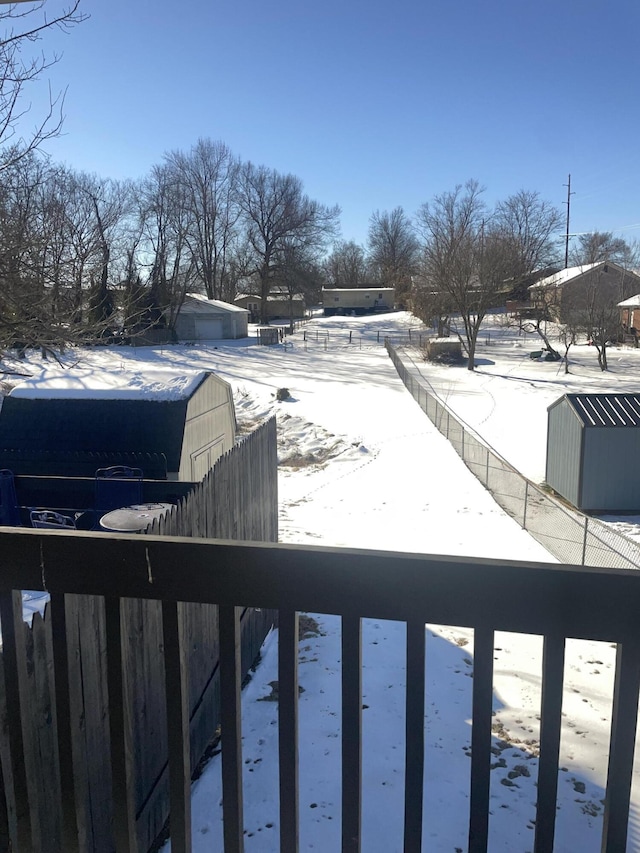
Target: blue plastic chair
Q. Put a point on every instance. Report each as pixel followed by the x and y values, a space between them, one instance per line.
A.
pixel 116 487
pixel 9 511
pixel 49 520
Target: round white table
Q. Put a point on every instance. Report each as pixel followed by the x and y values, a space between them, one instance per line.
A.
pixel 131 519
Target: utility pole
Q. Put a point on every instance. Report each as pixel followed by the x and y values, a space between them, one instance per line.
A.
pixel 568 203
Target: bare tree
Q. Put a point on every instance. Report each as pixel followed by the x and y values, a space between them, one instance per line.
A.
pixel 276 214
pixel 457 258
pixel 346 266
pixel 592 308
pixel 603 246
pixel 111 202
pixel 299 275
pixel 567 335
pixel 532 226
pixel 434 307
pixel 23 27
pixel 394 251
pixel 164 221
pixel 208 175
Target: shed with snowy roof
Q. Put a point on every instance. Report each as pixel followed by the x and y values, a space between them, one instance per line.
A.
pixel 202 319
pixel 593 448
pixel 62 422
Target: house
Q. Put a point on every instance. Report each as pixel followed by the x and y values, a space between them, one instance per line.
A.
pixel 186 418
pixel 630 318
pixel 357 300
pixel 281 305
pixel 557 292
pixel 202 319
pixel 593 443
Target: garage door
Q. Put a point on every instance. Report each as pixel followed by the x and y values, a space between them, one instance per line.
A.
pixel 209 329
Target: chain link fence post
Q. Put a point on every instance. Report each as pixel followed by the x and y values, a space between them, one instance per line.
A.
pixel 584 541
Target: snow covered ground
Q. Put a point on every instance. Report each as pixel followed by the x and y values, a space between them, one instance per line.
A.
pixel 362 466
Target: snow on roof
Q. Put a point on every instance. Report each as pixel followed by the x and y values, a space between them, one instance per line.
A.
pixel 631 302
pixel 152 385
pixel 272 297
pixel 196 302
pixel 558 278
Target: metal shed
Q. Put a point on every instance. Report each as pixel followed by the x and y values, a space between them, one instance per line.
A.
pixel 593 448
pixel 189 418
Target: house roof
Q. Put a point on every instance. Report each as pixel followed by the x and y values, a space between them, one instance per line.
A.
pixel 563 276
pixel 604 410
pixel 631 302
pixel 196 303
pixel 276 296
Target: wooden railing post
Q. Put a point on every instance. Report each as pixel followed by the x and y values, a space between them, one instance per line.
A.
pixel 351 733
pixel 481 739
pixel 621 749
pixel 288 729
pixel 550 731
pixel 414 729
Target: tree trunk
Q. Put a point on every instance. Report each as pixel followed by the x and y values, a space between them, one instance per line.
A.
pixel 472 351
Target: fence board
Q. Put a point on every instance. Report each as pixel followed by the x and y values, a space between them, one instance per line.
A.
pixel 230 682
pixel 124 819
pixel 13 654
pixel 59 648
pixel 177 702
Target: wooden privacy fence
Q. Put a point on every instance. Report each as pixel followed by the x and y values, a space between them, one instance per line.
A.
pixel 236 500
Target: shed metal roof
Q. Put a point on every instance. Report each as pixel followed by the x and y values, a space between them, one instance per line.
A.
pixel 195 303
pixel 605 410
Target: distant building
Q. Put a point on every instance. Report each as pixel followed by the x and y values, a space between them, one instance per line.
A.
pixel 280 306
pixel 357 300
pixel 630 313
pixel 202 319
pixel 565 289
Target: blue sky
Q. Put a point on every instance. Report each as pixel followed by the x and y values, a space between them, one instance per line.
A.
pixel 372 104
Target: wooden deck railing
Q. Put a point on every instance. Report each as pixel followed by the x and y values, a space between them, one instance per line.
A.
pixel 561 602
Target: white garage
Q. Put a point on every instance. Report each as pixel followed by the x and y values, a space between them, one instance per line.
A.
pixel 209 328
pixel 202 319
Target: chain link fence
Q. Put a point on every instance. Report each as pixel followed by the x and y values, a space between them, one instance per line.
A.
pixel 566 533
